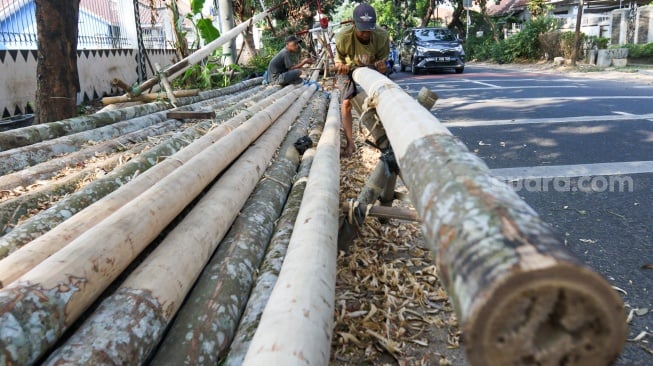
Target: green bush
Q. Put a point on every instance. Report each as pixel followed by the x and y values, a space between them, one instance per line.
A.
pixel 640 50
pixel 522 45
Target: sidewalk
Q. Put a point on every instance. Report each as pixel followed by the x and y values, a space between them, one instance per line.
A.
pixel 641 74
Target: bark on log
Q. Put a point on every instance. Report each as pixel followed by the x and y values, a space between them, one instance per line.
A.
pixel 297 323
pixel 228 277
pixel 168 273
pixel 50 168
pixel 48 131
pixel 33 134
pixel 149 97
pixel 50 297
pixel 276 252
pixel 12 210
pixel 519 295
pixel 22 157
pixel 42 247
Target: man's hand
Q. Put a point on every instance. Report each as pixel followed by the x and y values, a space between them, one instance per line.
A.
pixel 342 68
pixel 307 60
pixel 380 66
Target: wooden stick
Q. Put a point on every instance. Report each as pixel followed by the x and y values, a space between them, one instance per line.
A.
pixel 166 85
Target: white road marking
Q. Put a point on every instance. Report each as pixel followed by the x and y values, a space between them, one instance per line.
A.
pixel 461 81
pixel 579 170
pixel 524 121
pixel 483 83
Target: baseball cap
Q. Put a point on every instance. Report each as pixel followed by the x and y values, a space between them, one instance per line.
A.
pixel 365 17
pixel 292 38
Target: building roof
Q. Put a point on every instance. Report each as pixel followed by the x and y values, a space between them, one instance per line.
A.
pixel 506 7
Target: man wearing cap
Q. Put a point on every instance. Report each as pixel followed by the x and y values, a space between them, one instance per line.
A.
pixel 362 44
pixel 284 68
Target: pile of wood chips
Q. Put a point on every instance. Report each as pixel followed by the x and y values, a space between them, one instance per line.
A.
pixel 391 308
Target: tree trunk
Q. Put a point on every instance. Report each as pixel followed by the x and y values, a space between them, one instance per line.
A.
pixel 297 323
pixel 34 134
pixel 51 297
pixel 56 66
pixel 41 247
pixel 166 276
pixel 518 294
pixel 276 252
pixel 50 168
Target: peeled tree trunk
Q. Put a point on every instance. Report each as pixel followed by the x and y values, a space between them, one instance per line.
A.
pixel 52 167
pixel 275 254
pixel 50 297
pixel 43 246
pixel 228 277
pixel 519 295
pixel 165 277
pixel 297 323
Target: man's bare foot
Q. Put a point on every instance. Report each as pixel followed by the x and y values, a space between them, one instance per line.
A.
pixel 348 151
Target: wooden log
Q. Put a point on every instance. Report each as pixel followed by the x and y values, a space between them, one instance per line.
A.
pixel 518 294
pixel 48 131
pixel 149 97
pixel 22 157
pixel 35 226
pixel 15 208
pixel 116 106
pixel 225 280
pixel 275 254
pixel 168 273
pixel 50 297
pixel 42 246
pixel 296 325
pixel 50 168
pixel 166 85
pixel 191 114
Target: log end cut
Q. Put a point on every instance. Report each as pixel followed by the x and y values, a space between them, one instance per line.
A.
pixel 562 315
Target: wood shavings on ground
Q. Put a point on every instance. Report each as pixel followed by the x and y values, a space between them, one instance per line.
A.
pixel 391 308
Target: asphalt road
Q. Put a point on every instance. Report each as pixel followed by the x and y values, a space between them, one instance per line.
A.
pixel 579 150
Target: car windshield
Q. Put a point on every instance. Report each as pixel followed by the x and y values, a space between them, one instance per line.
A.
pixel 427 35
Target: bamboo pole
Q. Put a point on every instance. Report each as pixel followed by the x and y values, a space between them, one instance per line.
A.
pixel 166 276
pixel 200 54
pixel 166 85
pixel 225 280
pixel 275 254
pixel 518 294
pixel 45 245
pixel 50 297
pixel 297 323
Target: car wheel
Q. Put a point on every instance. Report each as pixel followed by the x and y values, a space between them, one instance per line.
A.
pixel 460 70
pixel 414 69
pixel 402 67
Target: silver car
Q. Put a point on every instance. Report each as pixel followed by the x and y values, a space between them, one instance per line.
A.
pixel 431 49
